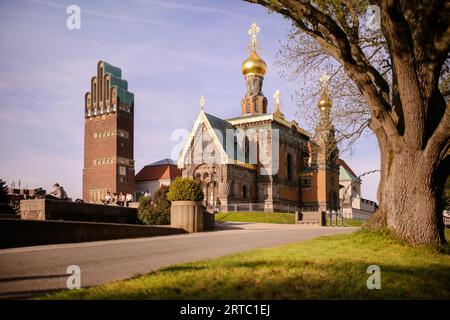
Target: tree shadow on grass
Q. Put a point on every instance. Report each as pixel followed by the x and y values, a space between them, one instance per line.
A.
pixel 278 279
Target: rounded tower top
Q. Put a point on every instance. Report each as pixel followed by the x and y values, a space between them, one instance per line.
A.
pixel 324 101
pixel 254 65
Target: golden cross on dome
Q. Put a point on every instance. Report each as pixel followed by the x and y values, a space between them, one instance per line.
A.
pixel 202 102
pixel 254 29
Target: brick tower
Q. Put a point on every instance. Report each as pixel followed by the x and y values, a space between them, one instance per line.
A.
pixel 108 135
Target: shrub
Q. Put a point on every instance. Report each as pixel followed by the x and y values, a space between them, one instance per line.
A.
pixel 185 189
pixel 6 205
pixel 155 210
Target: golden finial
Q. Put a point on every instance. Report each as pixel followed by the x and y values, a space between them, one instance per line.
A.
pixel 253 64
pixel 277 96
pixel 253 31
pixel 202 102
pixel 277 108
pixel 324 101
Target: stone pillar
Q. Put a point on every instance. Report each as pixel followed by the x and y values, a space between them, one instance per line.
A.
pixel 187 215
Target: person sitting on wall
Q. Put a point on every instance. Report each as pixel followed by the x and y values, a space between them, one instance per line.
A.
pixel 107 199
pixel 128 199
pixel 63 194
pixel 121 200
pixel 56 193
pixel 114 199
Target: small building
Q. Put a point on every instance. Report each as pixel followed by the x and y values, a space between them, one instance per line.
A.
pixel 154 175
pixel 353 206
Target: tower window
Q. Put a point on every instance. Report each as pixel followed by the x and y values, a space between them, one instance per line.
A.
pixel 247 150
pixel 289 167
pixel 235 148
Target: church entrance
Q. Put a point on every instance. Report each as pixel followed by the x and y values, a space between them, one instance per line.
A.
pixel 207 175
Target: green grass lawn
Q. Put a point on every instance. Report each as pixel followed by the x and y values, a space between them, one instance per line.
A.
pixel 264 217
pixel 347 223
pixel 325 268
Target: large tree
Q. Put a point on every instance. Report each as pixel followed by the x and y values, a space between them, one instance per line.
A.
pixel 408 113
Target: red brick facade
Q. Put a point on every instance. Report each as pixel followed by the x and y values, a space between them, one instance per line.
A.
pixel 108 137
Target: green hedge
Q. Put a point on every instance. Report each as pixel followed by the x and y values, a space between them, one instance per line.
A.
pixel 185 189
pixel 155 210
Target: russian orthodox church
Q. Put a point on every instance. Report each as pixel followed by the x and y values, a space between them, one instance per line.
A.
pixel 261 158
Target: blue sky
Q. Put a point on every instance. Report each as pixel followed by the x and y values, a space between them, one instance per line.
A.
pixel 171 52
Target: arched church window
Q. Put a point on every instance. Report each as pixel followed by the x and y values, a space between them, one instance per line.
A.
pixel 247 150
pixel 235 148
pixel 233 188
pixel 289 167
pixel 247 106
pixel 244 192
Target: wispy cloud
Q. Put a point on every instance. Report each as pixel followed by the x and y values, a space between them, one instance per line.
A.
pixel 193 8
pixel 109 15
pixel 45 69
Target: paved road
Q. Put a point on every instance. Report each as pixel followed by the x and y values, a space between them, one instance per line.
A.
pixel 25 272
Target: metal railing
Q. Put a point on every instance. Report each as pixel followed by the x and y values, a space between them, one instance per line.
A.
pixel 259 207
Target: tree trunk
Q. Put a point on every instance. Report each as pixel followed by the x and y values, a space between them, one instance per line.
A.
pixel 410 196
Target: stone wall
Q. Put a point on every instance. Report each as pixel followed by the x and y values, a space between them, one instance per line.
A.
pixel 44 209
pixel 21 233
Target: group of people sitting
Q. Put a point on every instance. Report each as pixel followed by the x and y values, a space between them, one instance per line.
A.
pixel 121 199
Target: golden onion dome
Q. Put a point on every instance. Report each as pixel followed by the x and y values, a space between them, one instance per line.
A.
pixel 254 65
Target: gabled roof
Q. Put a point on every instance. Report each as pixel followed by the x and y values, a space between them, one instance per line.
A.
pixel 160 170
pixel 221 126
pixel 212 124
pixel 165 161
pixel 345 172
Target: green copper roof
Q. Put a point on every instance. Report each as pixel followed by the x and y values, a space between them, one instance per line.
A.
pixel 119 83
pixel 112 70
pixel 124 95
pixel 219 125
pixel 344 174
